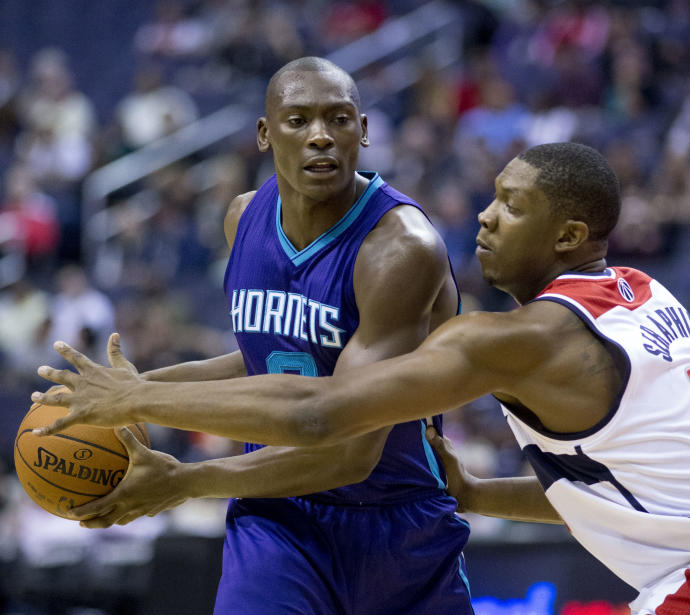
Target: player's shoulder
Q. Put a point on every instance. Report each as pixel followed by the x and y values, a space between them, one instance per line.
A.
pixel 239 204
pixel 404 232
pixel 234 213
pixel 401 248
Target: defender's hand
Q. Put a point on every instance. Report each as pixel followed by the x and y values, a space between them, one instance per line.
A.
pixel 459 480
pixel 96 395
pixel 149 487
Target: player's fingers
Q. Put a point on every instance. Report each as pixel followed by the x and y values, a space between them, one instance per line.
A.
pixel 442 445
pixel 115 356
pixel 100 507
pixel 76 358
pixel 60 425
pixel 98 522
pixel 129 441
pixel 159 509
pixel 128 518
pixel 431 433
pixel 64 377
pixel 52 397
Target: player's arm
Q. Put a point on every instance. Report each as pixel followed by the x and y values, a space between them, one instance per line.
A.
pixel 156 481
pixel 518 498
pixel 217 368
pixel 467 357
pixel 524 353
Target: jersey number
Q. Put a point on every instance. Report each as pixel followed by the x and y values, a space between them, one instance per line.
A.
pixel 300 363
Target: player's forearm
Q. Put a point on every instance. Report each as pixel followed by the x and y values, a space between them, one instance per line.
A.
pixel 518 499
pixel 279 412
pixel 288 410
pixel 218 368
pixel 275 472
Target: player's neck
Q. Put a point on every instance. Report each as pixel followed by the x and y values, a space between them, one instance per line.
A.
pixel 305 218
pixel 526 289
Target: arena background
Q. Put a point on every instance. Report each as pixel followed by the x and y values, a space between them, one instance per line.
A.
pixel 127 125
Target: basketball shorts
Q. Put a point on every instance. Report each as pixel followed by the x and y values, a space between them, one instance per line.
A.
pixel 302 557
pixel 668 596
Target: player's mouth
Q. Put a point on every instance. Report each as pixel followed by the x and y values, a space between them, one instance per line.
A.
pixel 482 247
pixel 321 165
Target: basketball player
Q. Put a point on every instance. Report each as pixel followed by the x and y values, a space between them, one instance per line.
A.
pixel 592 370
pixel 330 268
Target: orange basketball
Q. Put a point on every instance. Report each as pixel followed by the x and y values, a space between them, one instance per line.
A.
pixel 70 468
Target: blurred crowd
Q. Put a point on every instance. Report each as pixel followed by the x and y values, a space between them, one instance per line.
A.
pixel 613 75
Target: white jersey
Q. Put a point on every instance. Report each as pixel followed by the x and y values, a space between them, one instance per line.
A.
pixel 623 486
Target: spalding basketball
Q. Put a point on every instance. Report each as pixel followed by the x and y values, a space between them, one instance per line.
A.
pixel 72 467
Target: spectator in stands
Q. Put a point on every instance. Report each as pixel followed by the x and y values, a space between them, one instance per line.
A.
pixel 59 123
pixel 9 88
pixel 172 33
pixel 499 121
pixel 153 110
pixel 79 312
pixel 28 218
pixel 24 325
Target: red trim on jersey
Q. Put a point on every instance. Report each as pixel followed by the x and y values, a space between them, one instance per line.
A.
pixel 677 603
pixel 598 295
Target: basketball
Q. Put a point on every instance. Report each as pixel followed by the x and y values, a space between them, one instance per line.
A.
pixel 70 468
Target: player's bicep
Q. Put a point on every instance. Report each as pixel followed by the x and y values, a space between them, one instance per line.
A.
pixel 465 358
pixel 396 286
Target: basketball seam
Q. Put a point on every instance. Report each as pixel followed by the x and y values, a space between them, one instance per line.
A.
pixel 66 437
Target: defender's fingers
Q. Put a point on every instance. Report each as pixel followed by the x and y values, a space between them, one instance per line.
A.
pixel 431 433
pixel 60 425
pixel 52 397
pixel 65 377
pixel 115 356
pixel 76 358
pixel 442 445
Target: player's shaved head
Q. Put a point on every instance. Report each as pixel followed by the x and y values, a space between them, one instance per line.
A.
pixel 287 74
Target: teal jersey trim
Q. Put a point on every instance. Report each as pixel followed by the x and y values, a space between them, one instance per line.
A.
pixel 463 576
pixel 431 460
pixel 461 559
pixel 299 256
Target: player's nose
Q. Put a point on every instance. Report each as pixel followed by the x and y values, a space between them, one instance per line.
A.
pixel 319 135
pixel 487 217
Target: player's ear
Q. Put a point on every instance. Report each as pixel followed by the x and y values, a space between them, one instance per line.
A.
pixel 573 234
pixel 262 137
pixel 364 141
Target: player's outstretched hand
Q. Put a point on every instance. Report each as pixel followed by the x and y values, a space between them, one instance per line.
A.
pixel 150 486
pixel 459 480
pixel 95 395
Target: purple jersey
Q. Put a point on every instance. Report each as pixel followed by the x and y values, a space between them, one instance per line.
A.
pixel 294 311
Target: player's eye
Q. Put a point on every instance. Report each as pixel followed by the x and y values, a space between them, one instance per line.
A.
pixel 296 122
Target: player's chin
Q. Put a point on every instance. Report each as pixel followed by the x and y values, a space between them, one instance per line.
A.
pixel 317 187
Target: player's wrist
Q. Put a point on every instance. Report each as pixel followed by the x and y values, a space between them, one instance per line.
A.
pixel 134 403
pixel 469 494
pixel 198 480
